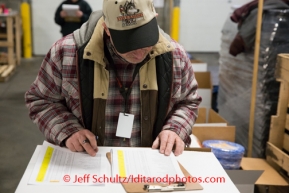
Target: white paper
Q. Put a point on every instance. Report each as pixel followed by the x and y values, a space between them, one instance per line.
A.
pixel 194 141
pixel 70 9
pixel 145 164
pixel 59 166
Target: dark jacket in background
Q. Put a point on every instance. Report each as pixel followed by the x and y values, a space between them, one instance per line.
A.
pixel 246 17
pixel 68 27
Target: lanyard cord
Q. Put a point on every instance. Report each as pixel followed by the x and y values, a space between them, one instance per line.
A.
pixel 125 92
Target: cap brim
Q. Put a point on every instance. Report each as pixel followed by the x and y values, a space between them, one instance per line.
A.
pixel 137 38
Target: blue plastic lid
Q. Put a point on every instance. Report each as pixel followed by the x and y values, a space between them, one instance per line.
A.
pixel 227 147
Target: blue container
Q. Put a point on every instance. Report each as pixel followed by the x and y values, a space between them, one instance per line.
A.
pixel 228 153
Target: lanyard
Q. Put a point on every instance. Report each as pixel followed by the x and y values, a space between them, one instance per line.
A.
pixel 125 92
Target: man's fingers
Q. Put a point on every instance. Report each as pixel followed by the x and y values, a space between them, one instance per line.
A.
pixel 92 141
pixel 168 140
pixel 78 147
pixel 169 147
pixel 85 143
pixel 164 139
pixel 180 145
pixel 70 146
pixel 82 140
pixel 89 149
pixel 156 143
pixel 170 143
pixel 93 144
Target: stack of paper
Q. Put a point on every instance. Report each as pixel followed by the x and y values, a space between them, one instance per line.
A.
pixel 70 9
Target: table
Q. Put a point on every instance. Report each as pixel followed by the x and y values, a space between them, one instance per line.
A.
pixel 198 164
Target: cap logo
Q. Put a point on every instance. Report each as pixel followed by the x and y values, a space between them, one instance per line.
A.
pixel 129 14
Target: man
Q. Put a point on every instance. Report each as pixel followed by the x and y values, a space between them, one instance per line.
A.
pixel 70 23
pixel 117 81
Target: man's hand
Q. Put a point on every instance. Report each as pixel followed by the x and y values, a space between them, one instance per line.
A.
pixel 79 13
pixel 63 14
pixel 166 141
pixel 82 140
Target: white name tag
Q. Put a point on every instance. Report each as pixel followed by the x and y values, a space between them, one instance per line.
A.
pixel 124 125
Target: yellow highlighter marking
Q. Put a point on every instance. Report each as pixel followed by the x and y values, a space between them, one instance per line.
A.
pixel 45 164
pixel 121 164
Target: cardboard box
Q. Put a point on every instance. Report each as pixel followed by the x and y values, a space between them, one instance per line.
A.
pixel 203 78
pixel 244 180
pixel 270 181
pixel 199 66
pixel 210 125
pixel 247 180
pixel 204 88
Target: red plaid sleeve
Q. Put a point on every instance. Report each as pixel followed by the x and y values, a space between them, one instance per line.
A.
pixel 53 98
pixel 183 109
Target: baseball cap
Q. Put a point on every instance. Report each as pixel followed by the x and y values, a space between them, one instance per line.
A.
pixel 132 23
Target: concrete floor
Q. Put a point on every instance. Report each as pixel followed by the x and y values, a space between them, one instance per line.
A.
pixel 19 136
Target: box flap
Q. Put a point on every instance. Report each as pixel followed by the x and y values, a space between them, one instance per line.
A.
pixel 196 61
pixel 204 80
pixel 201 149
pixel 209 117
pixel 215 117
pixel 244 180
pixel 269 177
pixel 244 176
pixel 202 115
pixel 211 126
pixel 199 66
pixel 214 133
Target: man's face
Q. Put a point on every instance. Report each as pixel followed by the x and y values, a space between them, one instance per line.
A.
pixel 136 56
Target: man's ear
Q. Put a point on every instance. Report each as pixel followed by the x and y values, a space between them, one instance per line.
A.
pixel 106 29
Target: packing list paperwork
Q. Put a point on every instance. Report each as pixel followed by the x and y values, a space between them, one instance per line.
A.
pixel 59 166
pixel 145 164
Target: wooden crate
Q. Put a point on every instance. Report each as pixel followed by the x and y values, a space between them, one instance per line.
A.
pixel 6 71
pixel 282 67
pixel 286 134
pixel 3 58
pixel 278 144
pixel 11 40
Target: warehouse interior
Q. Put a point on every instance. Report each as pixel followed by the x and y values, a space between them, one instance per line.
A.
pixel 248 88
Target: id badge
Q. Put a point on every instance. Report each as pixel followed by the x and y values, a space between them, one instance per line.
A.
pixel 124 125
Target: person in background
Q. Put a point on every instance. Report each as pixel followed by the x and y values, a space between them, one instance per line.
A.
pixel 70 24
pixel 117 81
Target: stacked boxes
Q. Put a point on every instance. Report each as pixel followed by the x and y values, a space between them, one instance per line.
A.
pixel 203 77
